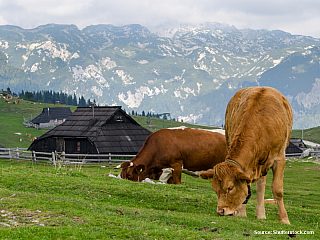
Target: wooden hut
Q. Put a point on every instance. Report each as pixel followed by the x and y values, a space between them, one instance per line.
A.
pixel 296 146
pixel 94 130
pixel 51 117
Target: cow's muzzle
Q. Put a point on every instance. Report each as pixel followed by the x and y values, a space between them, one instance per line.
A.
pixel 225 212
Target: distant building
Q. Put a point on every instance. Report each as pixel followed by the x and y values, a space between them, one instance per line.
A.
pixel 94 130
pixel 296 146
pixel 51 117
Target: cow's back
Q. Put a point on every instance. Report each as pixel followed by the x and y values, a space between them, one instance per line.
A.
pixel 199 149
pixel 259 119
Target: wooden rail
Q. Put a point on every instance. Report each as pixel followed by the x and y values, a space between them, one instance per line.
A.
pixel 87 159
pixel 63 158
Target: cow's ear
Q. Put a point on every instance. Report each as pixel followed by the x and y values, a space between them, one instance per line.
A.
pixel 141 168
pixel 208 175
pixel 125 164
pixel 242 177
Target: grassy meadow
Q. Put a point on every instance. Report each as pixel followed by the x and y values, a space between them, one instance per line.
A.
pixel 11 122
pixel 72 202
pixel 40 201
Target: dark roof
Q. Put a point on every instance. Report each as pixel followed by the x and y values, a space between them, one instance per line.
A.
pixel 1 146
pixel 296 145
pixel 298 142
pixel 111 129
pixel 52 113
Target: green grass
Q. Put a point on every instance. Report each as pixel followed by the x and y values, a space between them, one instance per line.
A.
pixel 311 134
pixel 43 202
pixel 11 121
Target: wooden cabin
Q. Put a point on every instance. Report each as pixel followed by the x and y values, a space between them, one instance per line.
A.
pixel 296 146
pixel 51 117
pixel 94 130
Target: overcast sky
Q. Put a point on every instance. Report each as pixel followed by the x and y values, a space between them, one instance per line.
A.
pixel 300 17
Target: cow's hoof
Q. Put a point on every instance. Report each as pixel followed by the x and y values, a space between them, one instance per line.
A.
pixel 242 215
pixel 286 221
pixel 261 216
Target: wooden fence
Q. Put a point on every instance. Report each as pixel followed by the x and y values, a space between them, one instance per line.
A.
pixel 63 158
pixel 87 159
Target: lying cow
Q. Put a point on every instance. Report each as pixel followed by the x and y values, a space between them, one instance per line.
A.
pixel 258 124
pixel 192 149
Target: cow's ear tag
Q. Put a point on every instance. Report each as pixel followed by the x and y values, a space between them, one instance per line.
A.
pixel 141 170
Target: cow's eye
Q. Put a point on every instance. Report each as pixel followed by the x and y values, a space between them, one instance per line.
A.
pixel 230 189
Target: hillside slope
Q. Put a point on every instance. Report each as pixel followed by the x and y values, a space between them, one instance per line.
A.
pixel 12 117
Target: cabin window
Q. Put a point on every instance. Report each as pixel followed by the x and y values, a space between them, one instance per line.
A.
pixel 118 118
pixel 78 147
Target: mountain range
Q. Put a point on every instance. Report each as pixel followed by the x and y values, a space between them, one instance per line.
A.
pixel 189 71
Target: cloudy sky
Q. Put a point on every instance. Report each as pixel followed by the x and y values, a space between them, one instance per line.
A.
pixel 293 16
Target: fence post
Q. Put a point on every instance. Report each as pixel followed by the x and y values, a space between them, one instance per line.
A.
pixel 110 159
pixel 18 154
pixel 34 156
pixel 53 159
pixel 9 153
pixel 63 157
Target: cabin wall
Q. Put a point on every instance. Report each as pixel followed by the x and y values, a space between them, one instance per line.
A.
pixel 44 145
pixel 79 145
pixel 67 145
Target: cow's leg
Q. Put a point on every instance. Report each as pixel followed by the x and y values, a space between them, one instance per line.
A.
pixel 166 175
pixel 242 211
pixel 260 187
pixel 177 170
pixel 277 188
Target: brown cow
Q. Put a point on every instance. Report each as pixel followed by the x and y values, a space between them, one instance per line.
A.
pixel 192 149
pixel 258 126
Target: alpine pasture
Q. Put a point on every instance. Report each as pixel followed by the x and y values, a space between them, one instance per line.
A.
pixel 40 201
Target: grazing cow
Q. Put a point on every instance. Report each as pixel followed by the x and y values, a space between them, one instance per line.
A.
pixel 258 124
pixel 192 149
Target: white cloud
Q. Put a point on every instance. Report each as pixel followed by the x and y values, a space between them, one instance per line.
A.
pixel 296 17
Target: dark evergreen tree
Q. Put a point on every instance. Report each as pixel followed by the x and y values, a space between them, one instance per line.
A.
pixel 74 101
pixel 82 102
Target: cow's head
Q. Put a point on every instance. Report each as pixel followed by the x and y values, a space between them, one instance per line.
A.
pixel 132 172
pixel 230 184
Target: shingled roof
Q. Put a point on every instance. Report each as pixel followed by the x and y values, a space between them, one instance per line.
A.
pixel 52 113
pixel 109 129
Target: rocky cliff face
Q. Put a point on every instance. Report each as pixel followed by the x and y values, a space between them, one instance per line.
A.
pixel 189 71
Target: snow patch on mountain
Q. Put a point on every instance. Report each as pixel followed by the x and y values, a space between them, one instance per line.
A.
pixel 133 100
pixel 203 67
pixel 97 91
pixel 125 77
pixel 4 44
pixel 54 51
pixel 107 62
pixel 34 67
pixel 90 72
pixel 143 61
